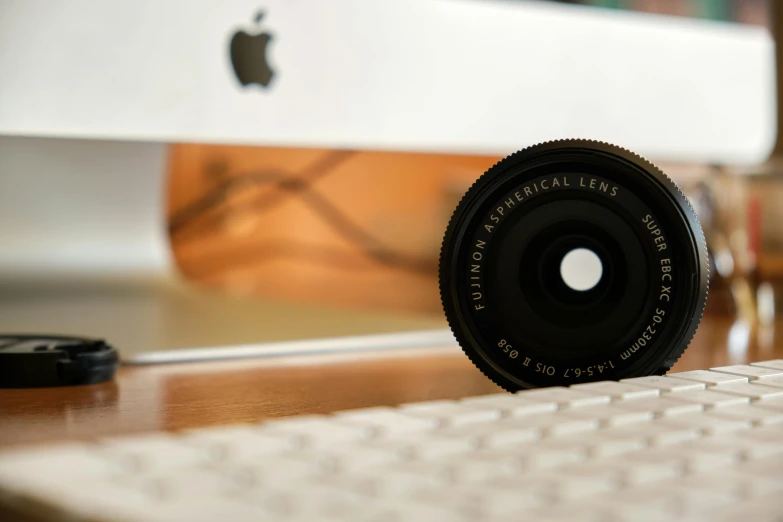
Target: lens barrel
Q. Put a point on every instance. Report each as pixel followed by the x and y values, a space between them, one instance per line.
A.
pixel 508 300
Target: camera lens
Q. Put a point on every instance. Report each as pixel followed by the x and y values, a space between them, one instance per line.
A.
pixel 573 261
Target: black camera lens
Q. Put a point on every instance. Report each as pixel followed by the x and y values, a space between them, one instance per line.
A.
pixel 573 261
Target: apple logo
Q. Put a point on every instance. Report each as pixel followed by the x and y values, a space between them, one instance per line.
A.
pixel 248 56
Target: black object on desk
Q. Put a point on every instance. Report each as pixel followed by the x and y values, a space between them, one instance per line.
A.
pixel 31 361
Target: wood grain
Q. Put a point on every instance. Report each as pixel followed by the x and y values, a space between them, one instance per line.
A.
pixel 174 397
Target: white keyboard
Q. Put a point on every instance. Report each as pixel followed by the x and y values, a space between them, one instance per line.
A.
pixel 700 445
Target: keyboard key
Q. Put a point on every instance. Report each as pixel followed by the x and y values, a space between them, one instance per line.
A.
pixel 488 502
pixel 606 443
pixel 707 398
pixel 424 447
pixel 568 483
pixel 314 431
pixel 750 413
pixel 544 454
pixel 749 445
pixel 665 383
pixel 578 482
pixel 402 480
pixel 726 485
pixel 100 498
pixel 510 405
pixel 274 502
pixel 751 390
pixel 757 485
pixel 764 477
pixel 172 486
pixel 387 422
pixel 766 508
pixel 154 453
pixel 495 435
pixel 707 377
pixel 616 390
pixel 643 467
pixel 657 433
pixel 610 415
pixel 719 444
pixel 769 466
pixel 733 486
pixel 751 372
pixel 364 483
pixel 707 425
pixel 776 364
pixel 688 503
pixel 67 460
pixel 239 443
pixel 700 457
pixel 637 505
pixel 472 471
pixel 427 406
pixel 773 403
pixel 414 512
pixel 662 407
pixel 772 434
pixel 356 458
pixel 549 454
pixel 553 424
pixel 564 397
pixel 321 500
pixel 564 512
pixel 272 470
pixel 777 382
pixel 450 413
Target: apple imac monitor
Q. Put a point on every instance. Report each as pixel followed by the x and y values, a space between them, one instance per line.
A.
pixel 92 92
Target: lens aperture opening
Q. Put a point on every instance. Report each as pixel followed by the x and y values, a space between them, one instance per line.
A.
pixel 581 269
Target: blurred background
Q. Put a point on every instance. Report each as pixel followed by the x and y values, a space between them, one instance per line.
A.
pixel 212 175
pixel 362 229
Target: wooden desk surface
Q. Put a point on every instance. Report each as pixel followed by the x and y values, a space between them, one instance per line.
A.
pixel 181 396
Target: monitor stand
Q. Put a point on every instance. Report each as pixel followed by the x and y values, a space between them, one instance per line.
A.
pixel 85 252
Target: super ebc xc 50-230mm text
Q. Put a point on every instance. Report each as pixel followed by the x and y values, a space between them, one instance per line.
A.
pixel 501 267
